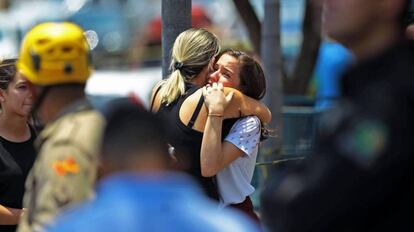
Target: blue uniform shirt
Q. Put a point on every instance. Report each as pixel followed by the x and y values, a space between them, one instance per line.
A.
pixel 166 202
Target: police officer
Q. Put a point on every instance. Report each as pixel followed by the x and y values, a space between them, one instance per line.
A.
pixel 55 58
pixel 361 176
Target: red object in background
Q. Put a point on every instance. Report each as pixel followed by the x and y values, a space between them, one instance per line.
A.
pixel 199 19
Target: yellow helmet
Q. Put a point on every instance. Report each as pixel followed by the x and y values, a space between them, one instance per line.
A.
pixel 55 53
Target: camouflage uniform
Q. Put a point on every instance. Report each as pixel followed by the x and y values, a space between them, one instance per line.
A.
pixel 65 170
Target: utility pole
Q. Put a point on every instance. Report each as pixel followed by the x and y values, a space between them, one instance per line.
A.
pixel 271 54
pixel 176 18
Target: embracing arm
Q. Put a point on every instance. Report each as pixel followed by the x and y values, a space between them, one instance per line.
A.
pixel 215 155
pixel 10 216
pixel 242 105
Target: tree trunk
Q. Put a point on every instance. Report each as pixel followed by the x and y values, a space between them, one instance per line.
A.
pixel 298 82
pixel 251 21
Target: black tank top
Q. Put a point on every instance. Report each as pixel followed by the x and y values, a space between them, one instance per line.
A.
pixel 16 160
pixel 187 141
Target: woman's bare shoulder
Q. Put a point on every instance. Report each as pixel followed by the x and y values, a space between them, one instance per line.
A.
pixel 192 100
pixel 155 96
pixel 188 107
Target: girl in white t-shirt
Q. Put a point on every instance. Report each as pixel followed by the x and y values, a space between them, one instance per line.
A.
pixel 234 159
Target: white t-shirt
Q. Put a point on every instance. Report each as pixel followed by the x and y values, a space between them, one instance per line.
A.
pixel 234 180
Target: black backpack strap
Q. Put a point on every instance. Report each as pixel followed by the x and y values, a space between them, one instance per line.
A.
pixel 196 112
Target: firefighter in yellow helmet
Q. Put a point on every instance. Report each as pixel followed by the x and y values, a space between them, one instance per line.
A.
pixel 55 58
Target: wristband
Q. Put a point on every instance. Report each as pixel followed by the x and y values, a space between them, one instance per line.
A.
pixel 215 115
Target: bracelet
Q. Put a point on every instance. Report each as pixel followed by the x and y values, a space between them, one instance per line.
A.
pixel 215 115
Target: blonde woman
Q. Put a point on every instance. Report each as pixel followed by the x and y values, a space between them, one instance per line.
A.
pixel 179 99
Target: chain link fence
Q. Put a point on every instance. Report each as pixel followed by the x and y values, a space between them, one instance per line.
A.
pixel 300 125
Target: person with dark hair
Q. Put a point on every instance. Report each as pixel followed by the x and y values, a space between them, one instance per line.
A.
pixel 232 158
pixel 17 152
pixel 139 191
pixel 55 60
pixel 180 99
pixel 360 177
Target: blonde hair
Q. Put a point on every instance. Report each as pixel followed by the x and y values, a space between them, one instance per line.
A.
pixel 192 51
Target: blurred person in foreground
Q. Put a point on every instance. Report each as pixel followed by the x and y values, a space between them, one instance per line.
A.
pixel 138 191
pixel 361 175
pixel 55 59
pixel 17 153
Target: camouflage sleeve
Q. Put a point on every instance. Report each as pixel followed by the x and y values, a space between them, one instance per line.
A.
pixel 62 177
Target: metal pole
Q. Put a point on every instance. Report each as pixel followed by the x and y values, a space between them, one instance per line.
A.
pixel 271 54
pixel 176 18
